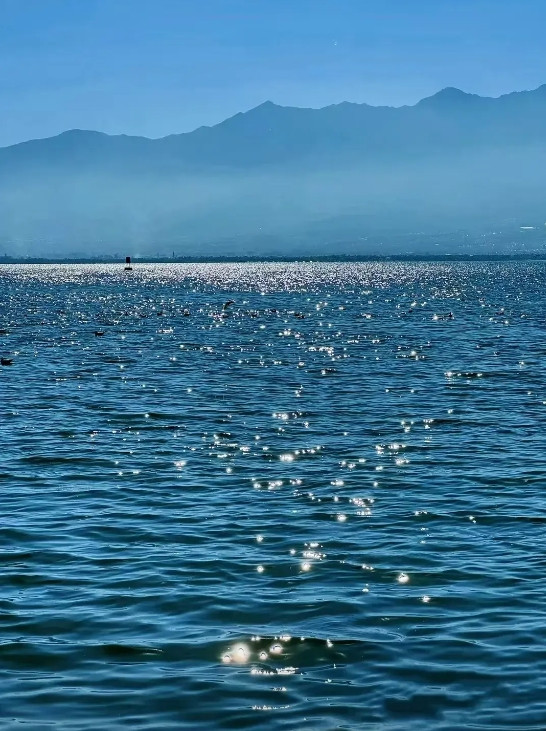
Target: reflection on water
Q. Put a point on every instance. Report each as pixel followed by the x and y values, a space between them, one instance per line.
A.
pixel 320 506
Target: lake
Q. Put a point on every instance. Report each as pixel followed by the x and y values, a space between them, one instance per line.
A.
pixel 284 496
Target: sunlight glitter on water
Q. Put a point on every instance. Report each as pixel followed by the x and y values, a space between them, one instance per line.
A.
pixel 199 501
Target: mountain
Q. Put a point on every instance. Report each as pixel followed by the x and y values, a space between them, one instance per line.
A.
pixel 348 178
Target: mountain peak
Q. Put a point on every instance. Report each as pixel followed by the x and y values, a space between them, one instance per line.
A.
pixel 451 92
pixel 448 96
pixel 81 133
pixel 266 106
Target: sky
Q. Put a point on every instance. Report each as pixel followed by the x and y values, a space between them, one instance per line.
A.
pixel 158 67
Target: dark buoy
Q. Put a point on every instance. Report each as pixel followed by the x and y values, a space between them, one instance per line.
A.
pixel 128 267
pixel 6 361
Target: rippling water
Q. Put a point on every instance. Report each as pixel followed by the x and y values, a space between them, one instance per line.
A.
pixel 320 507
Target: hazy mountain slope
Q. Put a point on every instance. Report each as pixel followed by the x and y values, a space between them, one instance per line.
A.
pixel 278 174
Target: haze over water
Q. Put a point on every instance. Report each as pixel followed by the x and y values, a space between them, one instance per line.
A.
pixel 322 507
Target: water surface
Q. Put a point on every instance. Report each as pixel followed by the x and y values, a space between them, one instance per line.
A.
pixel 320 507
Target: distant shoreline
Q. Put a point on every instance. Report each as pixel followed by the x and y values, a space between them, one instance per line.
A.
pixel 6 260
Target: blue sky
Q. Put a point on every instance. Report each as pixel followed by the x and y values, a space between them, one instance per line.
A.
pixel 154 67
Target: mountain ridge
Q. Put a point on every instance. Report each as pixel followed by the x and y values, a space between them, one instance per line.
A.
pixel 276 176
pixel 448 92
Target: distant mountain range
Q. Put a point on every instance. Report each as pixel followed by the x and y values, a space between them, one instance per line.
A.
pixel 452 171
